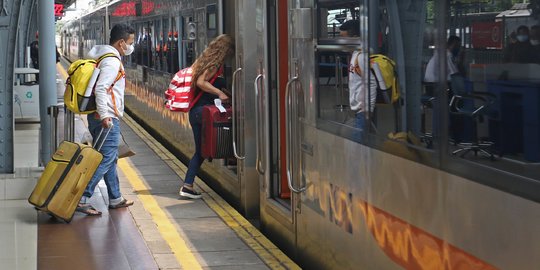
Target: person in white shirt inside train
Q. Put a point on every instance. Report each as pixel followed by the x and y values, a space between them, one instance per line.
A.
pixel 452 54
pixel 361 99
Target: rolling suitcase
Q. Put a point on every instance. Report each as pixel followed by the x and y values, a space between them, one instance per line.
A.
pixel 216 141
pixel 65 177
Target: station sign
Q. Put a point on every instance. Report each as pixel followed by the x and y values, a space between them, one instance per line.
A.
pixel 487 35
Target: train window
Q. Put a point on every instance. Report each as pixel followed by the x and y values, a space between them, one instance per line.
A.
pixel 334 53
pixel 167 37
pixel 494 91
pixel 145 43
pixel 370 86
pixel 211 18
pixel 173 56
pixel 156 47
pixel 188 46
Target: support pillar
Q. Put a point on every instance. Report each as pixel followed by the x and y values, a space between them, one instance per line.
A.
pixel 24 35
pixel 47 73
pixel 9 21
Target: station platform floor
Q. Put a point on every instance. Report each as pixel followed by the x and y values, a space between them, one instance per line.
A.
pixel 160 231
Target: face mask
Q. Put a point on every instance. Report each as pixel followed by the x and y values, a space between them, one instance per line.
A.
pixel 129 50
pixel 522 38
pixel 535 42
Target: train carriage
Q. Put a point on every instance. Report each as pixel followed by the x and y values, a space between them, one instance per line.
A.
pixel 401 191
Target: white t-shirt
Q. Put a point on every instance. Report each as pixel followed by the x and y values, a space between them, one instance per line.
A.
pixel 432 68
pixel 358 94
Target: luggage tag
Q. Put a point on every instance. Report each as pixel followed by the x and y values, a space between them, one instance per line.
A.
pixel 218 104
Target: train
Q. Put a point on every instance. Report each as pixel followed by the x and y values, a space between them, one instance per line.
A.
pixel 406 193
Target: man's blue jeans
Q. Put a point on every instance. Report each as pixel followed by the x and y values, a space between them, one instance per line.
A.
pixel 360 125
pixel 195 119
pixel 107 168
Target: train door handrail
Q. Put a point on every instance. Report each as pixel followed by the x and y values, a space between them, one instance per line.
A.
pixel 235 110
pixel 289 138
pixel 259 101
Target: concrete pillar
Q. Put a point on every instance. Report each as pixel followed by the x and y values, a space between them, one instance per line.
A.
pixel 9 20
pixel 47 73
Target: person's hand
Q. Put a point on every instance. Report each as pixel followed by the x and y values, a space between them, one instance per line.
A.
pixel 223 96
pixel 107 122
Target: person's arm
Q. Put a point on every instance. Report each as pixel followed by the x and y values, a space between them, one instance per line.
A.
pixel 109 68
pixel 451 65
pixel 204 84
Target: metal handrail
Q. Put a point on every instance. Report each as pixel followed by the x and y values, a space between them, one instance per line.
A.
pixel 235 108
pixel 289 141
pixel 260 169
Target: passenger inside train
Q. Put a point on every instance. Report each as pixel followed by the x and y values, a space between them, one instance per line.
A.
pixel 362 92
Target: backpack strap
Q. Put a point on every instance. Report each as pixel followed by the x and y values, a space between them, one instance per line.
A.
pixel 121 74
pixel 356 68
pixel 212 80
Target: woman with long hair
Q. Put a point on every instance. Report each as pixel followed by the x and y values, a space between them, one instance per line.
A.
pixel 205 70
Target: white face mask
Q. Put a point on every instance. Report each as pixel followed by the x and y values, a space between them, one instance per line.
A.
pixel 522 38
pixel 129 50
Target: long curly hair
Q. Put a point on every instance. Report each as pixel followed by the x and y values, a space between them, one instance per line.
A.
pixel 213 56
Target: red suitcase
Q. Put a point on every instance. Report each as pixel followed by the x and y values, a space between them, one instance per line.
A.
pixel 216 139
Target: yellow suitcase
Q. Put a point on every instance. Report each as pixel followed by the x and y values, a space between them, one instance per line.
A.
pixel 64 179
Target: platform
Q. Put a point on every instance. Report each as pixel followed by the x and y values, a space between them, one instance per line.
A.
pixel 160 231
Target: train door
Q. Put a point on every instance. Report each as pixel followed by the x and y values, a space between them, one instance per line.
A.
pixel 243 97
pixel 279 91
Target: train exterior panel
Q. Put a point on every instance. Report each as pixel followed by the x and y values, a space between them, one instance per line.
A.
pixel 330 193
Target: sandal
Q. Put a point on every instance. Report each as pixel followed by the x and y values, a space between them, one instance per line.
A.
pixel 123 203
pixel 88 209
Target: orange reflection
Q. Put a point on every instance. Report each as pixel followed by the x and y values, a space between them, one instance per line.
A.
pixel 407 245
pixel 156 103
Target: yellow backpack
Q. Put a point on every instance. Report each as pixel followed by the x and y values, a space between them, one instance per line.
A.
pixel 79 95
pixel 383 70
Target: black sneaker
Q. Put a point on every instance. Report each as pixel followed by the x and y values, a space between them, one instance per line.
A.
pixel 190 193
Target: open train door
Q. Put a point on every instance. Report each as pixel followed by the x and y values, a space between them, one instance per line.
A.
pixel 280 110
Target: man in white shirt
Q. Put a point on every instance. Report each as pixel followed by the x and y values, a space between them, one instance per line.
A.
pixel 361 99
pixel 452 51
pixel 109 92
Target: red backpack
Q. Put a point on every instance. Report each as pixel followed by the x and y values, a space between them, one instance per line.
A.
pixel 180 96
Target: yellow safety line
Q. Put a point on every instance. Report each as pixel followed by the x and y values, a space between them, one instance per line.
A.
pixel 62 71
pixel 266 250
pixel 181 251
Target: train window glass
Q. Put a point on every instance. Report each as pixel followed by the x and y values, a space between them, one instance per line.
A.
pixel 188 46
pixel 494 90
pixel 156 47
pixel 212 21
pixel 173 56
pixel 370 73
pixel 404 119
pixel 167 36
pixel 146 44
pixel 335 51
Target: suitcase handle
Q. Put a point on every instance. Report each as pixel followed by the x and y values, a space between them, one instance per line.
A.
pixel 79 184
pixel 96 143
